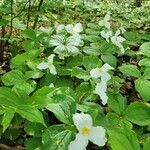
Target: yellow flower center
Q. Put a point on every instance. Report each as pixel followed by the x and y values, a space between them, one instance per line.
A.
pixel 102 71
pixel 85 131
pixel 49 64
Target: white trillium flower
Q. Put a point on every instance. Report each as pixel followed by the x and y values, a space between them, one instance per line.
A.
pixel 106 35
pixel 102 72
pixel 65 46
pixel 101 89
pixel 59 28
pixel 74 29
pixel 118 40
pixel 48 65
pixel 105 22
pixel 87 132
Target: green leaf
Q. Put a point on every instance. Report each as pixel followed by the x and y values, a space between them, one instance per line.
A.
pixel 8 116
pixel 33 74
pixel 63 106
pixel 130 70
pixel 33 143
pixel 145 62
pixel 145 49
pixel 146 74
pixel 13 77
pixel 123 139
pixel 56 138
pixel 143 87
pixel 117 103
pixel 30 113
pixel 80 73
pixel 110 59
pixel 138 113
pixel 146 145
pixel 91 62
pixel 28 33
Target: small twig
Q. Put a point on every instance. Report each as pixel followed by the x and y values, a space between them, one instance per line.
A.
pixel 28 17
pixel 21 10
pixel 11 18
pixel 37 17
pixel 5 147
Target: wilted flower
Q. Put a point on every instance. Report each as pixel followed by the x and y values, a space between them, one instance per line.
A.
pixel 87 132
pixel 101 72
pixel 105 22
pixel 49 64
pixel 74 29
pixel 101 89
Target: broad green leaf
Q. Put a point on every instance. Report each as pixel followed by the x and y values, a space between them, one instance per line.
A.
pixel 63 106
pixel 7 117
pixel 145 49
pixel 130 70
pixel 143 87
pixel 33 143
pixel 80 73
pixel 110 59
pixel 56 138
pixel 28 33
pixel 13 77
pixel 145 62
pixel 91 62
pixel 123 139
pixel 33 74
pixel 138 113
pixel 146 74
pixel 117 103
pixel 30 113
pixel 146 145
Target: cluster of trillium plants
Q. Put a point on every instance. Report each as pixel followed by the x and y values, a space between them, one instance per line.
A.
pixel 66 43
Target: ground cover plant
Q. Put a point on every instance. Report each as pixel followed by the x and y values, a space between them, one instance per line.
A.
pixel 74 75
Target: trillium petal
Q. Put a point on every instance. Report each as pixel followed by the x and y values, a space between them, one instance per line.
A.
pixel 105 77
pixel 52 70
pixel 56 40
pixel 82 120
pixel 103 97
pixel 72 49
pixel 79 143
pixel 59 28
pixel 101 87
pixel 74 40
pixel 59 49
pixel 43 65
pixel 97 136
pixel 107 67
pixel 69 28
pixel 95 73
pixel 50 58
pixel 78 28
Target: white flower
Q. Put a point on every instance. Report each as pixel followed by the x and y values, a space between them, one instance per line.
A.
pixel 117 40
pixel 59 28
pixel 64 47
pixel 76 29
pixel 49 64
pixel 105 22
pixel 106 35
pixel 101 72
pixel 87 132
pixel 101 89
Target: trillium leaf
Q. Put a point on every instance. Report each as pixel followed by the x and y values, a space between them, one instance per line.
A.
pixel 63 106
pixel 56 137
pixel 130 70
pixel 123 139
pixel 138 113
pixel 143 87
